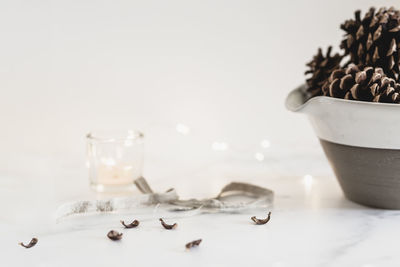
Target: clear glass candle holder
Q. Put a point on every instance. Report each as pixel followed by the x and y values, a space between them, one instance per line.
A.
pixel 115 159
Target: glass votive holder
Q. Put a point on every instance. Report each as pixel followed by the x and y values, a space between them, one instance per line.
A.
pixel 115 159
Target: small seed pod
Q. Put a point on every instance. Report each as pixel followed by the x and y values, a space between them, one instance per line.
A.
pixel 261 221
pixel 168 226
pixel 133 224
pixel 31 244
pixel 193 243
pixel 114 235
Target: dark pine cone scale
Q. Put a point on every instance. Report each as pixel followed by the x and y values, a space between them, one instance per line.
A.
pixel 374 40
pixel 368 84
pixel 320 68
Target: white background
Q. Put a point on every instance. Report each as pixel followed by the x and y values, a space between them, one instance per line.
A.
pixel 223 68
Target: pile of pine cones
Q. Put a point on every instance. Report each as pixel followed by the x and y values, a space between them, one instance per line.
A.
pixel 371 46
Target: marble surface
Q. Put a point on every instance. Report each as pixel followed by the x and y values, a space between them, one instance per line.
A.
pixel 312 224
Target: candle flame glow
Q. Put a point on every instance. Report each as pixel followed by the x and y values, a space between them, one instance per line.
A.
pixel 108 161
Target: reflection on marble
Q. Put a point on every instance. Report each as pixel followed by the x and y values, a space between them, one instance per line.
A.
pixel 312 224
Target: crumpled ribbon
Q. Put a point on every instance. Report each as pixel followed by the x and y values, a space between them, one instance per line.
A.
pixel 224 201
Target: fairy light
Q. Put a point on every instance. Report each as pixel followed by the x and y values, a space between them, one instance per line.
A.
pixel 259 156
pixel 219 146
pixel 265 143
pixel 182 129
pixel 308 182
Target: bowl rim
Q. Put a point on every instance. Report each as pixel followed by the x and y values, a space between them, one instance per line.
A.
pixel 307 100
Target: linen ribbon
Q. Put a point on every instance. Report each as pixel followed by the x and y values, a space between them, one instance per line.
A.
pixel 234 196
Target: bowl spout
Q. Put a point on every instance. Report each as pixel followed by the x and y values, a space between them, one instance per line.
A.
pixel 297 99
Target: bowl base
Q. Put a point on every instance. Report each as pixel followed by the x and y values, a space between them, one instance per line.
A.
pixel 368 176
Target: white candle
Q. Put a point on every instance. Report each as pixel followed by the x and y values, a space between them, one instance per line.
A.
pixel 114 159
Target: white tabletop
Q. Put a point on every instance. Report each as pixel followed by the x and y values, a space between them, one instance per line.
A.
pixel 312 224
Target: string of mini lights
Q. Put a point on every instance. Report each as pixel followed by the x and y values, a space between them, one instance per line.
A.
pixel 221 146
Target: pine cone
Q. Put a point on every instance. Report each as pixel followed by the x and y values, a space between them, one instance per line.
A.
pixel 389 92
pixel 374 40
pixel 320 68
pixel 368 84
